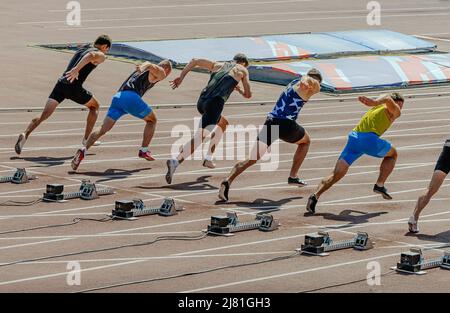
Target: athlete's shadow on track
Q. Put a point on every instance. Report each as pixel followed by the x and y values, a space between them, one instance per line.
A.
pixel 112 173
pixel 200 184
pixel 261 204
pixel 443 237
pixel 349 216
pixel 45 161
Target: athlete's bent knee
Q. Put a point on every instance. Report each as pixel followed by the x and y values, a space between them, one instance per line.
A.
pixel 392 153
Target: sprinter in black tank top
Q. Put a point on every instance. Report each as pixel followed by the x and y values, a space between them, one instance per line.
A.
pixel 225 78
pixel 70 86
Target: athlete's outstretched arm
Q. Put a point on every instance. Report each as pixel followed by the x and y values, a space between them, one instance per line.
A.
pixel 202 63
pixel 95 57
pixel 369 102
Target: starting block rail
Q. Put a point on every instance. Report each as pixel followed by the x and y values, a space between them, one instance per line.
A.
pixel 87 191
pixel 132 209
pixel 321 243
pixel 413 262
pixel 19 177
pixel 229 224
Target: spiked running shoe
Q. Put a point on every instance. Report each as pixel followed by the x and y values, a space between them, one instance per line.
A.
pixel 223 191
pixel 412 225
pixel 382 191
pixel 209 164
pixel 171 167
pixel 311 205
pixel 146 155
pixel 20 143
pixel 297 182
pixel 79 156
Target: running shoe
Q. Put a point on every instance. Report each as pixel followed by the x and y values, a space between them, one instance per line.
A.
pixel 79 156
pixel 223 191
pixel 146 155
pixel 97 143
pixel 20 143
pixel 412 225
pixel 382 191
pixel 208 164
pixel 297 182
pixel 311 205
pixel 171 167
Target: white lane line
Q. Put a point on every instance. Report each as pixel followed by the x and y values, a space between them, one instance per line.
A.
pixel 195 194
pixel 99 235
pixel 187 5
pixel 220 149
pixel 266 21
pixel 198 251
pixel 433 38
pixel 133 122
pixel 32 243
pixel 3 283
pixel 376 195
pixel 315 269
pixel 169 257
pixel 304 12
pixel 63 131
pixel 268 277
pixel 339 185
pixel 22 196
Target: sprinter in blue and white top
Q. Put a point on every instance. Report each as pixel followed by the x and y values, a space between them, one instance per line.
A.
pixel 289 104
pixel 281 123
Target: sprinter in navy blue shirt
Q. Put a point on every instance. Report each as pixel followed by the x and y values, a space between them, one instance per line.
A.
pixel 281 124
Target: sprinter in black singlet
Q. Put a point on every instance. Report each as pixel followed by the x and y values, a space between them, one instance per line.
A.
pixel 128 100
pixel 70 86
pixel 225 78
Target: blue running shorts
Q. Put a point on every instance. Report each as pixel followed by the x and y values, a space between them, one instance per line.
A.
pixel 128 102
pixel 364 143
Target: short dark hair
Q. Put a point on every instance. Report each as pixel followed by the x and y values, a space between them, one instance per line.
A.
pixel 103 40
pixel 241 58
pixel 396 96
pixel 315 73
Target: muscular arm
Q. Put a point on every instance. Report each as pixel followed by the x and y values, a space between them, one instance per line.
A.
pixel 95 57
pixel 369 102
pixel 391 106
pixel 201 63
pixel 155 70
pixel 247 93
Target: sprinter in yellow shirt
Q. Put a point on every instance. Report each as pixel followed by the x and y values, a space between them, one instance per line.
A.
pixel 365 139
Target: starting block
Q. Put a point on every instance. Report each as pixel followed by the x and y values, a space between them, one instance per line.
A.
pixel 87 191
pixel 19 177
pixel 132 209
pixel 226 225
pixel 413 262
pixel 321 243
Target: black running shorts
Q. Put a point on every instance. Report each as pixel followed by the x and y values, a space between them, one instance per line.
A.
pixel 211 110
pixel 288 130
pixel 74 92
pixel 443 163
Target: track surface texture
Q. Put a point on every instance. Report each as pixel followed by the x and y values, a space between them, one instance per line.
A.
pixel 28 74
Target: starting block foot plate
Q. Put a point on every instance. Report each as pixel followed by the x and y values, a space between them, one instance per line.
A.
pixel 407 272
pixel 115 217
pixel 217 234
pixel 312 253
pixel 57 201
